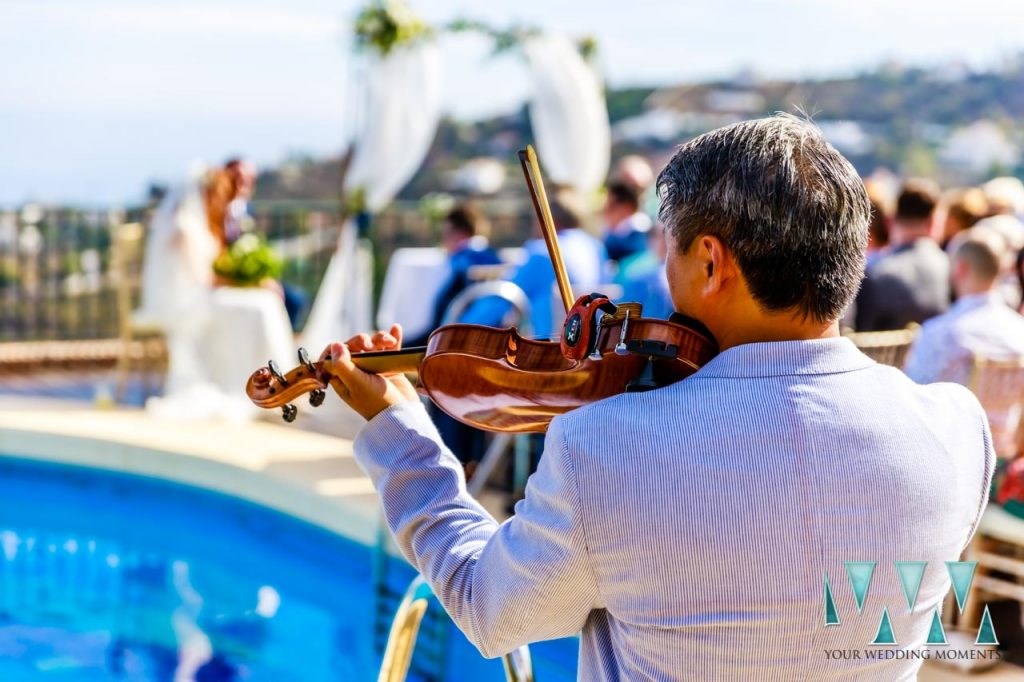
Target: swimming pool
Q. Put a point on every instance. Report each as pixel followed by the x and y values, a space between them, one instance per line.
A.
pixel 111 576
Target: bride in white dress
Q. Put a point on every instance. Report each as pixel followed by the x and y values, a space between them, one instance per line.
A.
pixel 216 336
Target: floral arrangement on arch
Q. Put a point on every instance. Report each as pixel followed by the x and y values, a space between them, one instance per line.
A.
pixel 384 25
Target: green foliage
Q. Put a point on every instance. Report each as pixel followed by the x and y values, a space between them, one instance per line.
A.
pixel 435 206
pixel 248 261
pixel 385 24
pixel 626 102
pixel 355 201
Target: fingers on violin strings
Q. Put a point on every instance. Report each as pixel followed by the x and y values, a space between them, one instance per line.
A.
pixel 397 333
pixel 360 343
pixel 325 354
pixel 384 341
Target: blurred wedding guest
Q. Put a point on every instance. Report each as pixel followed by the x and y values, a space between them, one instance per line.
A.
pixel 627 225
pixel 979 323
pixel 585 262
pixel 961 209
pixel 1019 273
pixel 1011 230
pixel 1005 196
pixel 1009 227
pixel 464 237
pixel 227 198
pixel 642 277
pixel 910 282
pixel 878 230
pixel 634 170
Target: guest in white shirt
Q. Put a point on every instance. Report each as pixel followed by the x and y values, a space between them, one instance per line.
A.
pixel 979 323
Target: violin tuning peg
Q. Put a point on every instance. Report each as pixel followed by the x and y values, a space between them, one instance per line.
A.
pixel 316 397
pixel 304 360
pixel 289 412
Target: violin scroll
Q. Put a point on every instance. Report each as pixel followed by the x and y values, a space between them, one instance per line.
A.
pixel 268 387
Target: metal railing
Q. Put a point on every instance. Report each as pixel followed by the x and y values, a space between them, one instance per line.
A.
pixel 57 280
pixel 405 627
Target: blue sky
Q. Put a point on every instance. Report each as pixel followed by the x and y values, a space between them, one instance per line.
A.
pixel 99 96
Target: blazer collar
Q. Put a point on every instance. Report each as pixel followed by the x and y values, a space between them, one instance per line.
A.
pixel 781 358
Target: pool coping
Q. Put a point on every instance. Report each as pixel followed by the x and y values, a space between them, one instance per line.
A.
pixel 193 453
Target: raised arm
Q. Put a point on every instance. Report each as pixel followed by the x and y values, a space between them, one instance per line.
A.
pixel 525 580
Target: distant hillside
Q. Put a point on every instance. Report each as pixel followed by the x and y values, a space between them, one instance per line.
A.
pixel 948 122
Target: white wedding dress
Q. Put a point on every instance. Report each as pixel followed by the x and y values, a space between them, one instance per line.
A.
pixel 216 336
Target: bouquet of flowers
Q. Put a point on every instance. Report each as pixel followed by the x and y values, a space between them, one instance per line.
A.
pixel 248 261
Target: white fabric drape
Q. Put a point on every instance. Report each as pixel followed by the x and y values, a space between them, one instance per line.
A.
pixel 568 114
pixel 399 111
pixel 344 302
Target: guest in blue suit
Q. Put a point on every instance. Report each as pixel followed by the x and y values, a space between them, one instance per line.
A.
pixel 642 277
pixel 628 226
pixel 585 262
pixel 465 238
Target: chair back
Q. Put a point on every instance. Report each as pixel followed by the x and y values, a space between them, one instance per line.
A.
pixel 127 248
pixel 999 387
pixel 519 311
pixel 886 348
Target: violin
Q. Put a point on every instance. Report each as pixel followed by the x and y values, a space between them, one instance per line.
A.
pixel 496 380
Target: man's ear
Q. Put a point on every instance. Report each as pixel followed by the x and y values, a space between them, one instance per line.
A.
pixel 715 263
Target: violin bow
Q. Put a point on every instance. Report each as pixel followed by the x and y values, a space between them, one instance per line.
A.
pixel 535 183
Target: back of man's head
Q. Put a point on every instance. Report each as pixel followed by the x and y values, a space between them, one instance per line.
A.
pixel 792 210
pixel 468 219
pixel 982 252
pixel 916 202
pixel 624 194
pixel 566 208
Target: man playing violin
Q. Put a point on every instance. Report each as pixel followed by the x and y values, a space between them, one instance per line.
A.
pixel 688 531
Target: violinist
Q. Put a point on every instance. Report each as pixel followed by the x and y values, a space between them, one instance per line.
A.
pixel 687 530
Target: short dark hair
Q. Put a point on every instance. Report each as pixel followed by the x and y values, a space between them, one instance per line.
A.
pixel 917 200
pixel 878 227
pixel 981 256
pixel 624 193
pixel 789 206
pixel 468 218
pixel 566 209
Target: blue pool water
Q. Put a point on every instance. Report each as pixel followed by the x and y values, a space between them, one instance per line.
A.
pixel 108 576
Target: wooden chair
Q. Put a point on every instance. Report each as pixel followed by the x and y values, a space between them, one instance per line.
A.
pixel 999 387
pixel 143 346
pixel 998 547
pixel 887 348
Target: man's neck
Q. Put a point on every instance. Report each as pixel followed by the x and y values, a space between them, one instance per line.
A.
pixel 973 288
pixel 904 234
pixel 758 328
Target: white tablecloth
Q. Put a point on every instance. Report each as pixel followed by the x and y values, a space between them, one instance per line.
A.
pixel 411 284
pixel 247 328
pixel 243 329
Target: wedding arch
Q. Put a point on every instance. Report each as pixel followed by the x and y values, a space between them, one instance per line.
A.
pixel 396 112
